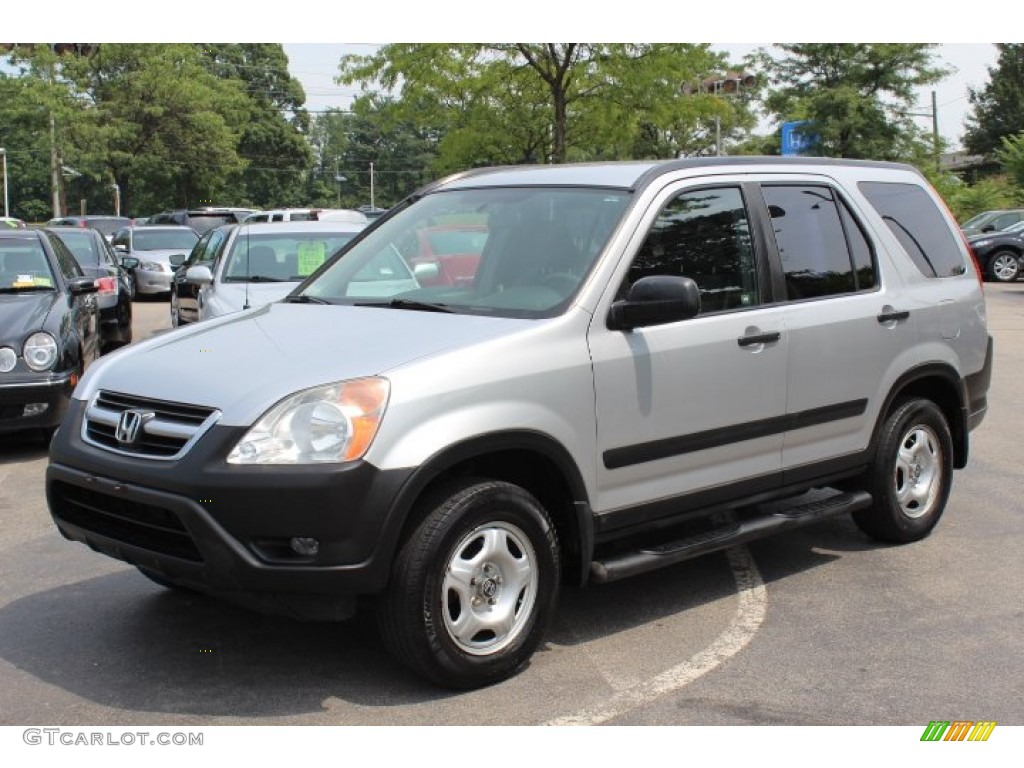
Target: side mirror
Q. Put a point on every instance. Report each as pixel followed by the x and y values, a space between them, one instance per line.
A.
pixel 200 275
pixel 655 300
pixel 129 262
pixel 988 228
pixel 79 286
pixel 177 259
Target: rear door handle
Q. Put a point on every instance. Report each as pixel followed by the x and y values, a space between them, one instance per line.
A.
pixel 893 315
pixel 760 338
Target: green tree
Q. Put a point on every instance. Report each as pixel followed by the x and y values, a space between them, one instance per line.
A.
pixel 998 108
pixel 149 118
pixel 856 95
pixel 541 102
pixel 1011 155
pixel 274 141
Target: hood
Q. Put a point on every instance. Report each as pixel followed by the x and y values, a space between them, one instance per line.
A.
pixel 232 297
pixel 162 255
pixel 245 362
pixel 22 314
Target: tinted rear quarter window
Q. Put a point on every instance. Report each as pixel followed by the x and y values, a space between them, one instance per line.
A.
pixel 918 224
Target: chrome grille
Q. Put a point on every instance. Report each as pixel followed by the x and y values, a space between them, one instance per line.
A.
pixel 166 430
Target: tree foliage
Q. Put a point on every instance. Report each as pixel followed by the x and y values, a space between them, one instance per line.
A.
pixel 274 142
pixel 998 108
pixel 545 102
pixel 856 95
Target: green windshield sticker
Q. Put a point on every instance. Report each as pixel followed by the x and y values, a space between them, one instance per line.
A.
pixel 43 281
pixel 311 256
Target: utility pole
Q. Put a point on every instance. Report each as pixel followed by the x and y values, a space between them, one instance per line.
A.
pixel 55 180
pixel 3 154
pixel 934 115
pixel 372 205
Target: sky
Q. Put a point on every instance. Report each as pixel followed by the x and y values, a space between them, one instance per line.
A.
pixel 309 29
pixel 316 66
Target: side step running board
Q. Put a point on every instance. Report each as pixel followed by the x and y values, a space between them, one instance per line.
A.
pixel 780 518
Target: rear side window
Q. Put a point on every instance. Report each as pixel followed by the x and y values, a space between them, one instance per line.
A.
pixel 811 233
pixel 919 225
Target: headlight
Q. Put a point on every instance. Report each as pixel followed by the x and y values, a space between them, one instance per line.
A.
pixel 8 358
pixel 152 266
pixel 333 423
pixel 40 351
pixel 980 243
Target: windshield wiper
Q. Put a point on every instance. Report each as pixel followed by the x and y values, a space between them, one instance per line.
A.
pixel 303 298
pixel 422 306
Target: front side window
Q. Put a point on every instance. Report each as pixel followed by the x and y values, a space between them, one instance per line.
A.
pixel 811 240
pixel 704 234
pixel 508 252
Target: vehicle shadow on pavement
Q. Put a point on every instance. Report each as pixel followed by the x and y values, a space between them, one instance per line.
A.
pixel 21 446
pixel 124 643
pixel 121 642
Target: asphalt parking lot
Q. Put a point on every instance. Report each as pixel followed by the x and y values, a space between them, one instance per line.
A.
pixel 816 627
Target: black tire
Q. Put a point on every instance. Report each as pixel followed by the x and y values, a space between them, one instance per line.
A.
pixel 910 475
pixel 433 618
pixel 175 311
pixel 1004 266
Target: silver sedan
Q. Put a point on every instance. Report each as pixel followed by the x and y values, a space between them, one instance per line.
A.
pixel 153 247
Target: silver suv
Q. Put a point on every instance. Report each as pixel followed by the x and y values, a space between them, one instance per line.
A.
pixel 626 366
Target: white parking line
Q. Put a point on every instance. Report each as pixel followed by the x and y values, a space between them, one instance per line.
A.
pixel 741 630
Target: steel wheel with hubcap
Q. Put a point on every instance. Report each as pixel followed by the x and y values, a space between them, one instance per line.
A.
pixel 1004 266
pixel 911 473
pixel 474 585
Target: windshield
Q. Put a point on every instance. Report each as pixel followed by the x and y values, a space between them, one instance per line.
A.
pixel 281 257
pixel 82 245
pixel 24 266
pixel 513 252
pixel 107 226
pixel 977 221
pixel 162 240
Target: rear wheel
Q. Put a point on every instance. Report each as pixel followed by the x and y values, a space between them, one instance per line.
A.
pixel 473 588
pixel 1004 266
pixel 911 474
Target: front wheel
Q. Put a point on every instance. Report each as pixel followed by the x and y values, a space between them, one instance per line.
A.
pixel 911 474
pixel 1004 267
pixel 474 586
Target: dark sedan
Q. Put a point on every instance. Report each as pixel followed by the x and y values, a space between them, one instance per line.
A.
pixel 49 328
pixel 1000 254
pixel 113 282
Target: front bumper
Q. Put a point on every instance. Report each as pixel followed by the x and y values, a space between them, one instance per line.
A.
pixel 149 281
pixel 226 529
pixel 52 390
